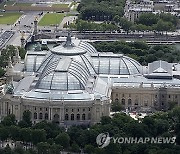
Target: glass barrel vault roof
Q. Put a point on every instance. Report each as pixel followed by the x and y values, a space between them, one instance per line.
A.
pixel 115 64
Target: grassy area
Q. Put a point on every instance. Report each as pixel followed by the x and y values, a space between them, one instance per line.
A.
pixel 9 18
pixel 60 5
pixel 51 19
pixel 23 4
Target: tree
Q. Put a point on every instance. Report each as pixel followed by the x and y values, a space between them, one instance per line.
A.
pixel 105 120
pixel 167 17
pixel 162 126
pixel 9 120
pixel 89 148
pixel 2 72
pixel 141 27
pixel 26 134
pixel 14 133
pixel 63 139
pixel 55 148
pixel 18 150
pixel 167 26
pixel 75 148
pixel 116 19
pixel 4 134
pixel 172 104
pixel 116 106
pixel 125 24
pixel 38 135
pixel 9 51
pixel 26 119
pixel 148 19
pixel 43 148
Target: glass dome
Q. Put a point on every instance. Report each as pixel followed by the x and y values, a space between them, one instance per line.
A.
pixel 80 52
pixel 63 74
pixel 112 64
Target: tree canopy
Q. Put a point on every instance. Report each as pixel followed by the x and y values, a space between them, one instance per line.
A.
pixel 141 51
pixel 100 10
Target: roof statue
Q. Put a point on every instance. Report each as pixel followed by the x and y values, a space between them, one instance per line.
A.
pixel 10 63
pixel 9 88
pixel 68 42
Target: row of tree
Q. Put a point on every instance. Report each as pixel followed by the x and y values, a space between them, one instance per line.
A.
pixel 82 25
pixel 141 51
pixel 149 21
pixel 48 138
pixel 146 22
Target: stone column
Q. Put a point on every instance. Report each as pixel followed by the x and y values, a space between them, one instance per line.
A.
pixel 23 43
pixel 35 26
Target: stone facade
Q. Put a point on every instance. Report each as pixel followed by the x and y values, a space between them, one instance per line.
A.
pixel 136 98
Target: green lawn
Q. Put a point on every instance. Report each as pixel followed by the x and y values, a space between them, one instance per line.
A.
pixel 9 18
pixel 60 5
pixel 51 19
pixel 23 4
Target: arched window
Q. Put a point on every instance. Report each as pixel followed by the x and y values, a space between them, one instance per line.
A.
pixel 116 100
pixel 89 116
pixel 35 115
pixel 136 102
pixel 72 116
pixel 66 117
pixel 56 117
pixel 40 115
pixel 129 101
pixel 78 117
pixel 83 116
pixel 46 116
pixel 123 101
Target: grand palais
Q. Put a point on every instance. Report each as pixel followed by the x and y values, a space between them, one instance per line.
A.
pixel 73 83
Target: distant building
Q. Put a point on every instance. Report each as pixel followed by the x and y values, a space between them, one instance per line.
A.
pixel 133 11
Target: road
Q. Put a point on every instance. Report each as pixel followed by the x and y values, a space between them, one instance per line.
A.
pixel 67 20
pixel 23 24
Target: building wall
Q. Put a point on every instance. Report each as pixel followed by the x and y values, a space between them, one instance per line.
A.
pixel 157 98
pixel 63 113
pixel 76 112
